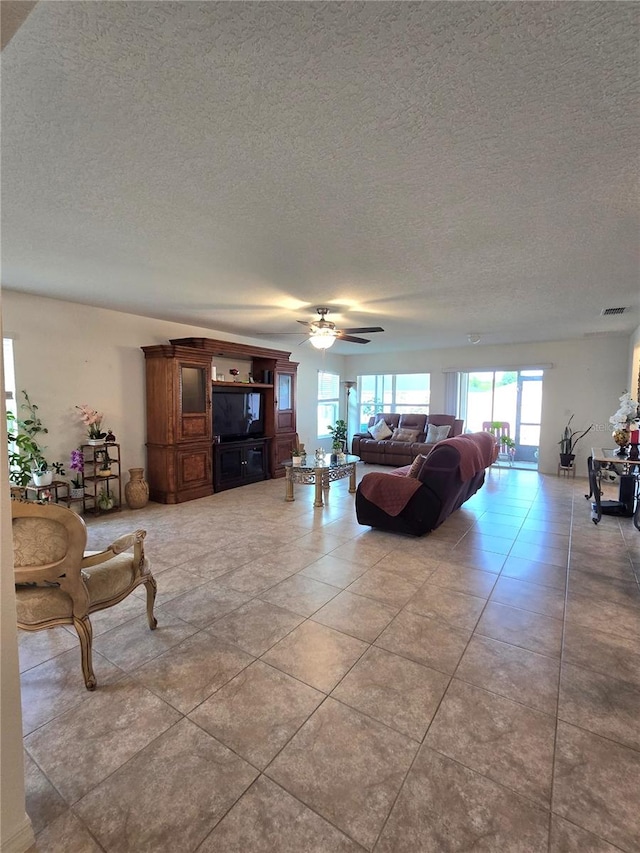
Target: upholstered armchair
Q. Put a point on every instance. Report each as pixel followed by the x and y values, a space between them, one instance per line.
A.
pixel 57 583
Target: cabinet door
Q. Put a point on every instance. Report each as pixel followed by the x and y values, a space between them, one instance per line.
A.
pixel 193 468
pixel 194 401
pixel 282 447
pixel 285 401
pixel 255 461
pixel 229 467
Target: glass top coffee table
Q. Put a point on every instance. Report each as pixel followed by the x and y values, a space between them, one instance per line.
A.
pixel 320 475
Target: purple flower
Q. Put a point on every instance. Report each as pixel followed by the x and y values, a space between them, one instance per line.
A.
pixel 77 461
pixel 77 464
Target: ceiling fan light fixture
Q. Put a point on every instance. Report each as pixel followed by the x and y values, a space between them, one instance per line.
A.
pixel 322 338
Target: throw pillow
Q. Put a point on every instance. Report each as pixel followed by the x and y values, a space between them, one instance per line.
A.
pixel 380 430
pixel 437 433
pixel 405 435
pixel 416 465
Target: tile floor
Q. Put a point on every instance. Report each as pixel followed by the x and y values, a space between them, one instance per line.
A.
pixel 314 685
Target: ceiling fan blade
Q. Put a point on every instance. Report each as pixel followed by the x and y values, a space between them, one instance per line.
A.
pixel 341 337
pixel 304 322
pixel 364 330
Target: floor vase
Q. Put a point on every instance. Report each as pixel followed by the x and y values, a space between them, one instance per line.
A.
pixel 136 491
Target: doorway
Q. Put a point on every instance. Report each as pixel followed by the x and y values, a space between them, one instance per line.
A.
pixel 507 396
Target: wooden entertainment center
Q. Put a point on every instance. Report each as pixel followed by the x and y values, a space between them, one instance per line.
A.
pixel 183 462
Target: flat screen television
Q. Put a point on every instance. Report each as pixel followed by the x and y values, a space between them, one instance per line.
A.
pixel 237 414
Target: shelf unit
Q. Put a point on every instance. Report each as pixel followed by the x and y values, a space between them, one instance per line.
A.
pixel 181 456
pixel 94 483
pixel 225 384
pixel 280 372
pixel 34 493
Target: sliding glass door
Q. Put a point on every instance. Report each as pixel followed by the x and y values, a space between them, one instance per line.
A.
pixel 529 415
pixel 513 397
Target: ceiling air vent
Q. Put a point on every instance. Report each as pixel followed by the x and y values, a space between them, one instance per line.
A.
pixel 608 312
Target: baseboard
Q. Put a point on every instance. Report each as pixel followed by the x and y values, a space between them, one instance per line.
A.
pixel 21 840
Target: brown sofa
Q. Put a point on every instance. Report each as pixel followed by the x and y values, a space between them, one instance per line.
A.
pixel 415 502
pixel 398 453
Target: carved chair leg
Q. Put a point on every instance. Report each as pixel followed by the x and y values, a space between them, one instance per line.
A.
pixel 151 587
pixel 85 635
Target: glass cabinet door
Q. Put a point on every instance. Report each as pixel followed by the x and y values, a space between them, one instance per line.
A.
pixel 284 392
pixel 255 461
pixel 194 402
pixel 285 402
pixel 193 387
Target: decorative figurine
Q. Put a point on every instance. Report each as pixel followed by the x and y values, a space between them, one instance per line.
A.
pixel 110 436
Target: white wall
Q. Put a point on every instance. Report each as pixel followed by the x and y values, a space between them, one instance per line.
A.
pixel 311 361
pixel 634 365
pixel 587 377
pixel 68 354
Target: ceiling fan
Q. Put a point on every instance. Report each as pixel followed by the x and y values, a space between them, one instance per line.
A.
pixel 323 333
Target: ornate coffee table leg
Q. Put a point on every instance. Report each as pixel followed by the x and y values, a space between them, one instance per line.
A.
pixel 289 493
pixel 326 482
pixel 352 479
pixel 318 481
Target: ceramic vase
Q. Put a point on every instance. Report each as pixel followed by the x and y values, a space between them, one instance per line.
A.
pixel 621 438
pixel 136 491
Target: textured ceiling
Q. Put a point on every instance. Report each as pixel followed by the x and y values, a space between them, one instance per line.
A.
pixel 436 168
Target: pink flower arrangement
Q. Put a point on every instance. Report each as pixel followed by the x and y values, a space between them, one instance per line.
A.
pixel 92 420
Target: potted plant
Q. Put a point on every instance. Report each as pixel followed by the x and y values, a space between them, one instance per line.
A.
pixel 624 420
pixel 338 438
pixel 27 461
pixel 568 443
pixel 76 464
pixel 105 501
pixel 505 443
pixel 104 468
pixel 296 457
pixel 42 472
pixel 93 421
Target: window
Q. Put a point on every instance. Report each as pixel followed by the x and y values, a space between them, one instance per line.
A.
pixel 400 392
pixel 328 401
pixel 11 403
